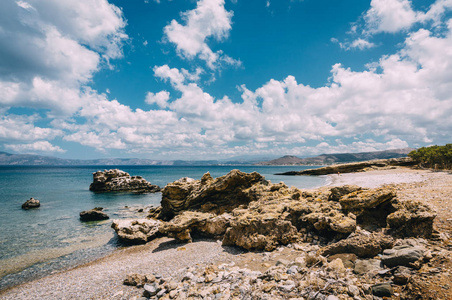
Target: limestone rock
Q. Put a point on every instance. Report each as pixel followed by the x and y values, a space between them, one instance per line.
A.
pixel 363 245
pixel 402 255
pixel 411 219
pixel 264 232
pixel 95 214
pixel 339 191
pixel 184 225
pixel 31 203
pixel 362 200
pixel 119 181
pixel 209 195
pixel 136 231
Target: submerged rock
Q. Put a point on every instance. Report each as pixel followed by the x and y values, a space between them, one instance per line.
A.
pixel 136 231
pixel 31 203
pixel 119 181
pixel 95 214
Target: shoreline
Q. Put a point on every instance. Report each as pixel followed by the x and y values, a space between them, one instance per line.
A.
pixel 103 277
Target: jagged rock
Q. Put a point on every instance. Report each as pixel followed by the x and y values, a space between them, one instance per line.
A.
pixel 339 191
pixel 411 219
pixel 209 195
pixel 181 226
pixel 119 181
pixel 264 232
pixel 31 203
pixel 359 201
pixel 95 214
pixel 402 255
pixel 363 245
pixel 332 220
pixel 136 231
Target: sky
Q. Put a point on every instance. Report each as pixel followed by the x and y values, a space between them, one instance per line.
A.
pixel 212 79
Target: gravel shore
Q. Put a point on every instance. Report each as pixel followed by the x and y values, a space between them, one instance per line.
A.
pixel 103 279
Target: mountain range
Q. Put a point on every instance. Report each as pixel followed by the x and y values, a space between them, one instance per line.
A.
pixel 328 159
pixel 10 159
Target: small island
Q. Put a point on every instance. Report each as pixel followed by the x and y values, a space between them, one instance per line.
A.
pixel 119 181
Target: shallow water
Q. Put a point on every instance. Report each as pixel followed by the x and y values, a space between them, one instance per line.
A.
pixel 36 242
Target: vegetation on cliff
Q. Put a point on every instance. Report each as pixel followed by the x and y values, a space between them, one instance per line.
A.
pixel 437 157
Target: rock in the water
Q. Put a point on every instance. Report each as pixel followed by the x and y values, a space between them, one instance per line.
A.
pixel 119 181
pixel 382 289
pixel 31 203
pixel 363 245
pixel 209 195
pixel 136 231
pixel 95 214
pixel 402 255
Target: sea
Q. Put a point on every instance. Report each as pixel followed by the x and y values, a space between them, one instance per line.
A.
pixel 38 242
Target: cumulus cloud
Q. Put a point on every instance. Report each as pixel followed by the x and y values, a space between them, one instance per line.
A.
pixel 51 48
pixel 208 19
pixel 41 146
pixel 160 98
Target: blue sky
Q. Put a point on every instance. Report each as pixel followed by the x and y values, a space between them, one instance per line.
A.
pixel 215 79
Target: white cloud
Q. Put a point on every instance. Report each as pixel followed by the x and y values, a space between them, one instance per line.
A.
pixel 397 15
pixel 359 43
pixel 160 98
pixel 208 19
pixel 21 128
pixel 41 146
pixel 390 16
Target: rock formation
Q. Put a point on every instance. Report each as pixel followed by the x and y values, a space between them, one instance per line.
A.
pixel 354 167
pixel 214 195
pixel 138 231
pixel 31 203
pixel 95 214
pixel 119 181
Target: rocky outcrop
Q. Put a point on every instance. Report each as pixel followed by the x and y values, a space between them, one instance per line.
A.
pixel 95 214
pixel 411 219
pixel 136 231
pixel 31 203
pixel 210 195
pixel 354 167
pixel 119 181
pixel 364 244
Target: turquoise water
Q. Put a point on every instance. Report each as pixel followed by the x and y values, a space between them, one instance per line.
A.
pixel 37 242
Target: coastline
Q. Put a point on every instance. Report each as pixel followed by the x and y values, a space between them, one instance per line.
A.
pixel 103 278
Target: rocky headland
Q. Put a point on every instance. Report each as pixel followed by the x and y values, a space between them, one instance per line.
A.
pixel 119 181
pixel 355 167
pixel 271 241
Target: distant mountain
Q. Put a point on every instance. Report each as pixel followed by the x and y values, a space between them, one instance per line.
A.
pixel 328 159
pixel 8 159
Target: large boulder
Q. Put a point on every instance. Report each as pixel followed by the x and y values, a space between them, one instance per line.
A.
pixel 209 195
pixel 411 219
pixel 95 214
pixel 365 245
pixel 31 203
pixel 136 231
pixel 360 201
pixel 187 223
pixel 119 181
pixel 404 255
